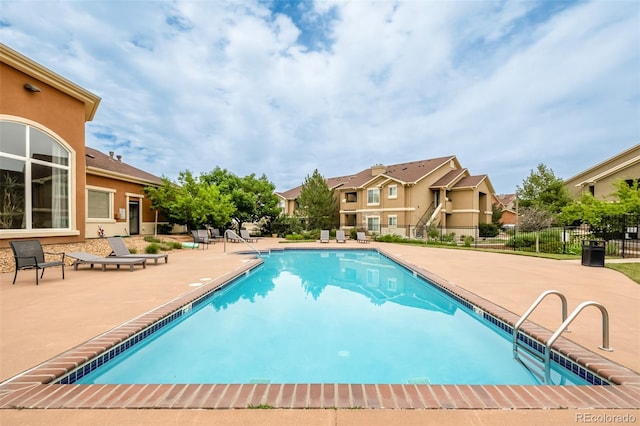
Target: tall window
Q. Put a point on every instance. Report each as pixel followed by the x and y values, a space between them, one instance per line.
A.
pixel 34 179
pixel 373 224
pixel 373 196
pixel 393 221
pixel 393 191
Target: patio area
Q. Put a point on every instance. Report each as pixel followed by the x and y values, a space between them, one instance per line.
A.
pixel 40 322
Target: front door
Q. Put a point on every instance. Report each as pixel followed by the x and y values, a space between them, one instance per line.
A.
pixel 134 217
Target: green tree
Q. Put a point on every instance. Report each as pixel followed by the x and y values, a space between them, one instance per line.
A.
pixel 591 210
pixel 191 202
pixel 543 190
pixel 162 197
pixel 317 204
pixel 254 198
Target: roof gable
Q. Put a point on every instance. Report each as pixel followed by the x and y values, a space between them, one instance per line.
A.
pixel 45 75
pixel 450 179
pixel 607 167
pixel 470 182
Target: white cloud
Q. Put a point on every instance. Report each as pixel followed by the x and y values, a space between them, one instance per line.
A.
pixel 195 85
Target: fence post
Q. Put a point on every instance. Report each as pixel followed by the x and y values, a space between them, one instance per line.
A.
pixel 624 234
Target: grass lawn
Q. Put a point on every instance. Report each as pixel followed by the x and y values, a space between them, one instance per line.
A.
pixel 632 270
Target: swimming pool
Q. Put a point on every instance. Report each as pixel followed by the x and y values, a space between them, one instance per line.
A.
pixel 51 384
pixel 324 316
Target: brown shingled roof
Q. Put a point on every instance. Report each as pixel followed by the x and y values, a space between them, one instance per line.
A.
pixel 450 178
pixel 410 172
pixel 98 160
pixel 414 171
pixel 470 181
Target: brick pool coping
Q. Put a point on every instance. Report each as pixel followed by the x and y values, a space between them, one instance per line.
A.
pixel 33 388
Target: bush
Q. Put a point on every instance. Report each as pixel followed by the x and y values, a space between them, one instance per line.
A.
pixel 294 237
pixel 152 248
pixel 521 241
pixel 468 240
pixel 550 235
pixel 164 228
pixel 314 234
pixel 175 245
pixel 284 225
pixel 488 230
pixel 150 239
pixel 448 238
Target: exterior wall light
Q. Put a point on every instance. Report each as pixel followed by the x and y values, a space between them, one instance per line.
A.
pixel 31 87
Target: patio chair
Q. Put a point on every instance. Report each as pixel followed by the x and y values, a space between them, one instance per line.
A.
pixel 119 249
pixel 248 238
pixel 340 238
pixel 201 236
pixel 232 236
pixel 361 237
pixel 324 236
pixel 82 258
pixel 215 233
pixel 29 254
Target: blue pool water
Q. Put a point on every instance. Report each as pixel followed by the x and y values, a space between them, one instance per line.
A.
pixel 351 316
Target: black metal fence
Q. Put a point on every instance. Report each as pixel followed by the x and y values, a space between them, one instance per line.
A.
pixel 621 234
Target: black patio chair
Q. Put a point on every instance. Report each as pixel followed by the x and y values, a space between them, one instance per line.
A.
pixel 28 254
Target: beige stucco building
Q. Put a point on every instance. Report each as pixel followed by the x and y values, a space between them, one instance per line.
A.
pixel 599 179
pixel 405 198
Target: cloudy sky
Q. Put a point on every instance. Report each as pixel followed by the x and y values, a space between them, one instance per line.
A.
pixel 281 87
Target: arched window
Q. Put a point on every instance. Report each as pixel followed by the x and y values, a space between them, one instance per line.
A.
pixel 34 179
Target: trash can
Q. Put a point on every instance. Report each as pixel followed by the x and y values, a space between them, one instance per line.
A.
pixel 593 252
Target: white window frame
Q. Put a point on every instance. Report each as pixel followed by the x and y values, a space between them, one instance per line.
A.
pixel 392 192
pixel 68 207
pixel 392 220
pixel 376 226
pixel 111 192
pixel 370 196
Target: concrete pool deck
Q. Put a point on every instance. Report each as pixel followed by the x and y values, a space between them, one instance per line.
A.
pixel 38 323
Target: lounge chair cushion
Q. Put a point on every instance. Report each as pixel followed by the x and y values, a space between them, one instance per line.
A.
pixel 92 259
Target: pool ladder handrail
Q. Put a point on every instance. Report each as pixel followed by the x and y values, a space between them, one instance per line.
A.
pixel 563 327
pixel 533 306
pixel 238 237
pixel 565 324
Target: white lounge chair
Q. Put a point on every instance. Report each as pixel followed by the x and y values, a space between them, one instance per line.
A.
pixel 362 238
pixel 248 238
pixel 324 236
pixel 92 259
pixel 340 238
pixel 120 250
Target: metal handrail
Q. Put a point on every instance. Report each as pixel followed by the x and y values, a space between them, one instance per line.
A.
pixel 238 237
pixel 565 324
pixel 533 306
